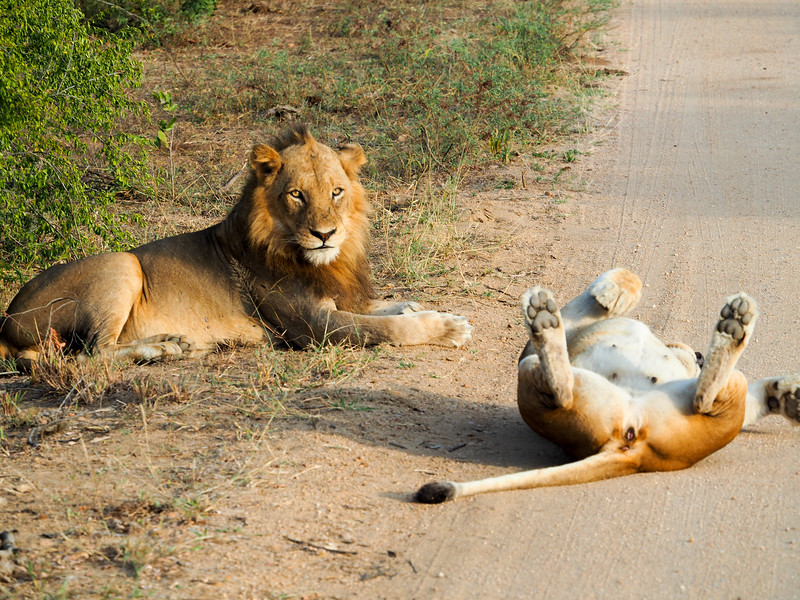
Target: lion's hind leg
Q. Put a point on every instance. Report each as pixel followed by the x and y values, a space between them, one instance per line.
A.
pixel 113 315
pixel 86 306
pixel 731 335
pixel 774 396
pixel 81 306
pixel 547 370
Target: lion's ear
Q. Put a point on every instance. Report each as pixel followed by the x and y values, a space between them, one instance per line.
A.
pixel 265 161
pixel 352 158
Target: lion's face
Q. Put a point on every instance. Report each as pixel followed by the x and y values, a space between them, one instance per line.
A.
pixel 313 194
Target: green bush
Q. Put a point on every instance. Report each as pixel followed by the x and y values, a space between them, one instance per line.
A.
pixel 155 19
pixel 62 158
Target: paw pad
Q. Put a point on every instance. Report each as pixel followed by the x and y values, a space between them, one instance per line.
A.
pixel 785 401
pixel 541 311
pixel 735 316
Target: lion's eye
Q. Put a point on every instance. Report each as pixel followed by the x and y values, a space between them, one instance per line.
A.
pixel 296 194
pixel 337 193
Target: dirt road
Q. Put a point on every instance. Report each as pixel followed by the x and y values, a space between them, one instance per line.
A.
pixel 694 188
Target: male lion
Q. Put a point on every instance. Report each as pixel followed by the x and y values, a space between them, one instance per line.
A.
pixel 610 393
pixel 288 262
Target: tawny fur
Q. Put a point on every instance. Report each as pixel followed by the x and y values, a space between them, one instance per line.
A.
pixel 289 262
pixel 619 400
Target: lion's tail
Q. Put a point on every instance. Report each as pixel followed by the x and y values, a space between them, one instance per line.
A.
pixel 593 468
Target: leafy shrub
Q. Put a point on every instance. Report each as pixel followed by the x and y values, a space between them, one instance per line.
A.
pixel 62 89
pixel 155 19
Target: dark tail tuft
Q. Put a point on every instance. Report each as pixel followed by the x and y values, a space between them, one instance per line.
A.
pixel 435 493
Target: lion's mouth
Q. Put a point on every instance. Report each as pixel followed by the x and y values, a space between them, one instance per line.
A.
pixel 322 255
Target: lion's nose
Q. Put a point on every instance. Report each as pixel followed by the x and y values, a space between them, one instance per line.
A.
pixel 324 236
pixel 700 360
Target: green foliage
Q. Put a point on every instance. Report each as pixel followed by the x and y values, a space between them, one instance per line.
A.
pixel 424 89
pixel 165 126
pixel 62 158
pixel 500 144
pixel 155 19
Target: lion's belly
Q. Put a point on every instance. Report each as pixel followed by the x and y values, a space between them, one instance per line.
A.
pixel 626 353
pixel 205 325
pixel 189 290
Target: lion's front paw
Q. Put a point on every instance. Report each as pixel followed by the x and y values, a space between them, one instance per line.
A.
pixel 783 398
pixel 617 291
pixel 540 311
pixel 457 331
pixel 406 308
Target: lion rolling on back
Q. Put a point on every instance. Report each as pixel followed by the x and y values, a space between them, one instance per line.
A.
pixel 610 393
pixel 289 262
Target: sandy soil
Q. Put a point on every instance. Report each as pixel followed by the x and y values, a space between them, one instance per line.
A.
pixel 689 182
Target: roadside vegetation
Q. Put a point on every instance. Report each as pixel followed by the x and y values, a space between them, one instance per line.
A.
pixel 428 90
pixel 63 88
pixel 425 87
pixel 128 120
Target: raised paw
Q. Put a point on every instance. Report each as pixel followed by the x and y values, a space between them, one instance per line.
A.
pixel 550 371
pixel 783 398
pixel 737 317
pixel 540 311
pixel 617 291
pixel 733 331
